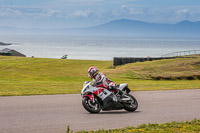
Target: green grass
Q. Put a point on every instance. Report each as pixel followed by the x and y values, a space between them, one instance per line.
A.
pixel 32 76
pixel 172 69
pixel 173 127
pixel 38 76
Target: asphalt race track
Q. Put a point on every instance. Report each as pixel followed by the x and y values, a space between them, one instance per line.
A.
pixel 52 113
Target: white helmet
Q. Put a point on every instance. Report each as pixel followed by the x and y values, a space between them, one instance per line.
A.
pixel 92 71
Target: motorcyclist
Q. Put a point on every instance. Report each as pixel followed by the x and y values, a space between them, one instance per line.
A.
pixel 100 80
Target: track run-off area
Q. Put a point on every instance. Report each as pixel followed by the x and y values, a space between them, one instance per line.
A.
pixel 53 113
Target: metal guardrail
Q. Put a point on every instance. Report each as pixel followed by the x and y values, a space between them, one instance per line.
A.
pixel 182 53
pixel 125 60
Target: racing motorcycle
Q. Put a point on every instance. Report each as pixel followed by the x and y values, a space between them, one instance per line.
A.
pixel 95 99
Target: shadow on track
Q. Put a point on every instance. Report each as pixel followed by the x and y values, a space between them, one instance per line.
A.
pixel 118 112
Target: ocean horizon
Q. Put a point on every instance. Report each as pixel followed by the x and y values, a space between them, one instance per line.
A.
pixel 97 47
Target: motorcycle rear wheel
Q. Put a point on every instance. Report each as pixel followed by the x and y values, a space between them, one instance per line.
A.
pixel 91 107
pixel 131 106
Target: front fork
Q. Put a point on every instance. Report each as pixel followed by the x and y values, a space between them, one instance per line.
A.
pixel 91 97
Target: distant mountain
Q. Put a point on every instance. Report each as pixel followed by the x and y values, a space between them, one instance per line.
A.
pixel 132 27
pixel 121 27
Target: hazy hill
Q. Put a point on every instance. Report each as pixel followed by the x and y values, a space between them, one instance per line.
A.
pixel 120 27
pixel 132 27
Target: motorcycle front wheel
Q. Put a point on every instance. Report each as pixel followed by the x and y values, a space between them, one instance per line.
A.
pixel 131 105
pixel 92 107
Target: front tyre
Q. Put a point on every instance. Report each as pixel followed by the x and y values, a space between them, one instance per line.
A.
pixel 92 107
pixel 131 105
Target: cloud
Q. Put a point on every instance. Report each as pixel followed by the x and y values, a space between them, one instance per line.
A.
pixel 182 11
pixel 72 3
pixel 87 13
pixel 51 12
pixel 124 8
pixel 94 12
pixel 6 12
pixel 29 13
pixel 80 13
pixel 131 10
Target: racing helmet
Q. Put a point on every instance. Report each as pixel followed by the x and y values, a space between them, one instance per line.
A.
pixel 92 71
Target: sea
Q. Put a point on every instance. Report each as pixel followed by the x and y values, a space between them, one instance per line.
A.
pixel 86 47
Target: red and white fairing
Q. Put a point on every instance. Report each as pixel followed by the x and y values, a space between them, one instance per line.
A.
pixel 98 91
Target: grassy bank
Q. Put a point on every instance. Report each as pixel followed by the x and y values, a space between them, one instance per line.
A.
pixel 168 69
pixel 173 127
pixel 32 76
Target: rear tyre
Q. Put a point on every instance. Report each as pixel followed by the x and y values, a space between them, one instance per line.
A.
pixel 131 105
pixel 90 106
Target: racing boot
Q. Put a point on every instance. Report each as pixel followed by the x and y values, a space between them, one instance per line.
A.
pixel 121 93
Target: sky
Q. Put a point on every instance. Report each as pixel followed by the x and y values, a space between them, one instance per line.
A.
pixel 85 13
